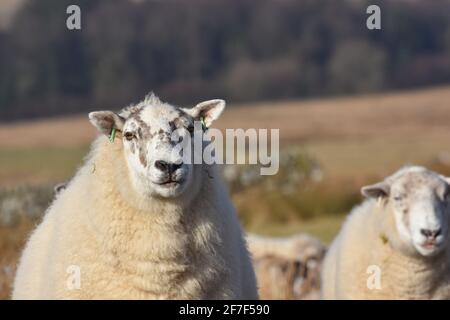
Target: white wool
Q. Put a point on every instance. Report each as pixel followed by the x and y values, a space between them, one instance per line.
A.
pixel 129 247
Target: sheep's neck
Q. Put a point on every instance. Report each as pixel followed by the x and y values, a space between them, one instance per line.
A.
pixel 408 277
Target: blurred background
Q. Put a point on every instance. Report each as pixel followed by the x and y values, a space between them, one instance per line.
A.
pixel 352 104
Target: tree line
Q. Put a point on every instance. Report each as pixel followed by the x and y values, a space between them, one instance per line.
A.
pixel 241 50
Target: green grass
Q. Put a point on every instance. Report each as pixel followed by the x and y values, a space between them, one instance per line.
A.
pixel 325 227
pixel 39 165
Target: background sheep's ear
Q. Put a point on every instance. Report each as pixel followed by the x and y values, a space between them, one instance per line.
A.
pixel 376 190
pixel 59 187
pixel 105 121
pixel 446 179
pixel 208 110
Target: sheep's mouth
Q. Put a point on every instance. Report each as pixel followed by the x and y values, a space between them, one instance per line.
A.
pixel 430 248
pixel 170 183
pixel 430 245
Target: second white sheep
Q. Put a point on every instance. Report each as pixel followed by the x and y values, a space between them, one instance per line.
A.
pixel 396 244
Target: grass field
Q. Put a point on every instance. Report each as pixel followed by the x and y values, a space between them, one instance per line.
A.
pixel 356 140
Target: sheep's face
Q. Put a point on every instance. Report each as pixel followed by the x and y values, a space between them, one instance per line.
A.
pixel 420 202
pixel 154 136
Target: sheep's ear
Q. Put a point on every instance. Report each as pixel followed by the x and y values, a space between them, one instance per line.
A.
pixel 377 190
pixel 208 110
pixel 446 179
pixel 105 121
pixel 59 187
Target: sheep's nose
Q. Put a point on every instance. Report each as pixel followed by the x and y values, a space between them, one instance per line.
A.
pixel 431 234
pixel 167 167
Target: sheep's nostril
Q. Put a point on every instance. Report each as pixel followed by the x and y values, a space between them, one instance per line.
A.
pixel 437 233
pixel 162 165
pixel 431 233
pixel 425 232
pixel 167 167
pixel 174 166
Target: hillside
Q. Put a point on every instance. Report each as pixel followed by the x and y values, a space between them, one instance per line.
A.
pixel 351 137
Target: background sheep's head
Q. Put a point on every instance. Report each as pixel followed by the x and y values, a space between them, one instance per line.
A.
pixel 420 202
pixel 154 137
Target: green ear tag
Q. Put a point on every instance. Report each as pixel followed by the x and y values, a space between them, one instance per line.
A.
pixel 112 136
pixel 204 127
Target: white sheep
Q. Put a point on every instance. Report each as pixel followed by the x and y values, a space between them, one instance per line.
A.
pixel 396 244
pixel 137 223
pixel 287 268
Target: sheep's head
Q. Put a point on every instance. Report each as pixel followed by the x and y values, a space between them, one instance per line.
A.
pixel 420 202
pixel 151 133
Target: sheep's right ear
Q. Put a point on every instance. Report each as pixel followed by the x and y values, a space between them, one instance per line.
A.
pixel 105 121
pixel 377 190
pixel 208 110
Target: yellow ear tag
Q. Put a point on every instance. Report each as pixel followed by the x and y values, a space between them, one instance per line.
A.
pixel 112 136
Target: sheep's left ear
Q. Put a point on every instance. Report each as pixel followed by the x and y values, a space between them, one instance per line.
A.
pixel 377 190
pixel 208 110
pixel 105 121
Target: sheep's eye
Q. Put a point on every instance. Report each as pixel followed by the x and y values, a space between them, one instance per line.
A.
pixel 398 198
pixel 129 136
